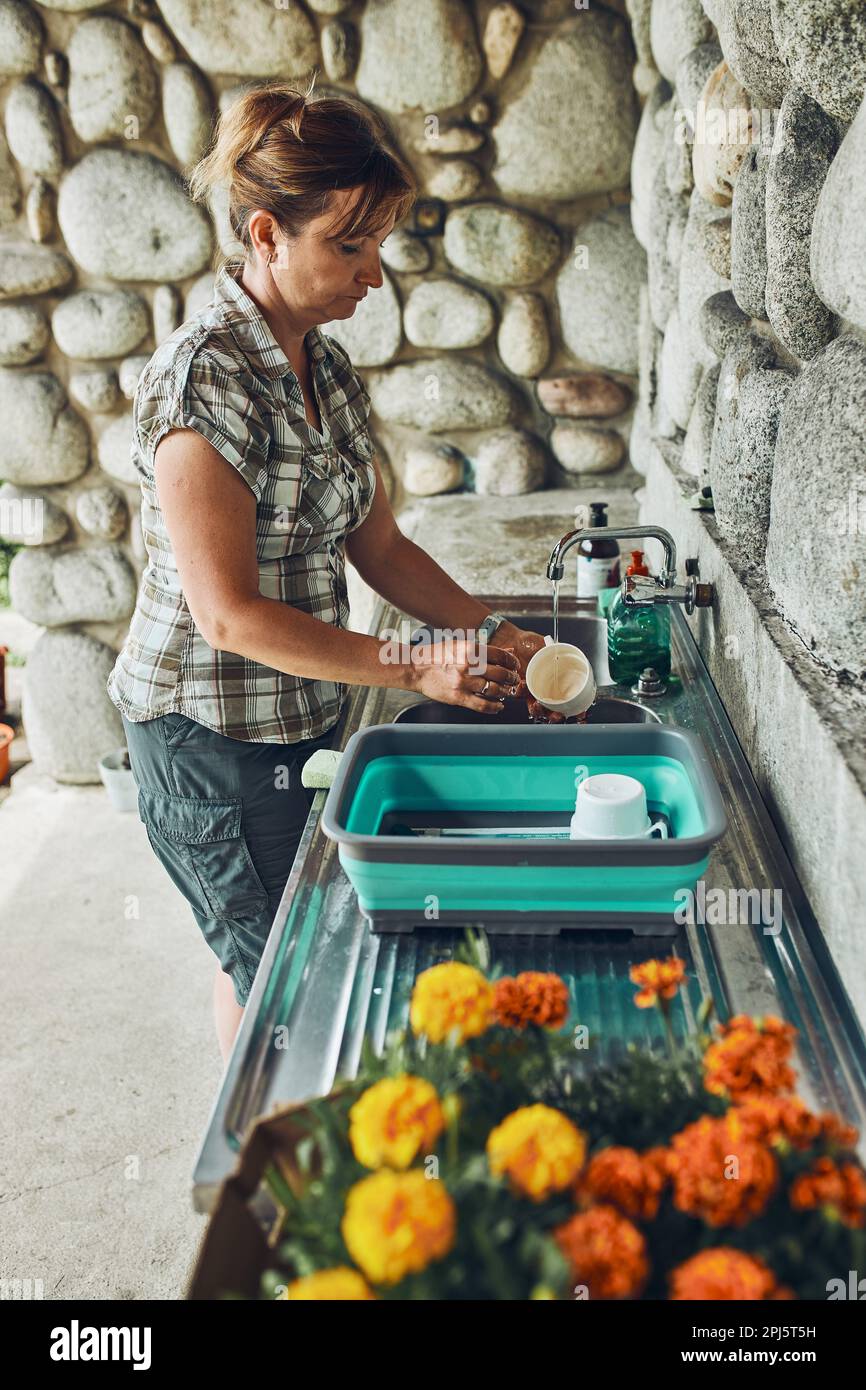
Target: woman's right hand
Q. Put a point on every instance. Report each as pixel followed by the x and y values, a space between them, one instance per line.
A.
pixel 451 673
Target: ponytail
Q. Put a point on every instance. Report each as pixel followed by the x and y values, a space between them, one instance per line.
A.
pixel 286 150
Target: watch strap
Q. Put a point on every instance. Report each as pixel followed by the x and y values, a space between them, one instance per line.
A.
pixel 490 624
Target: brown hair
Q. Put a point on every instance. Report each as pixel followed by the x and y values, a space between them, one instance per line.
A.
pixel 286 151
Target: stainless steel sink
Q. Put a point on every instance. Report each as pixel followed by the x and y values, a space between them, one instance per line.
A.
pixel 608 709
pixel 331 984
pixel 588 633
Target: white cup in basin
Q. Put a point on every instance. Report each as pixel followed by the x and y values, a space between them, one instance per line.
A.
pixel 560 677
pixel 611 806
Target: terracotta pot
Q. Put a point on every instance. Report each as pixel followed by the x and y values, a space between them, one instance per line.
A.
pixel 6 736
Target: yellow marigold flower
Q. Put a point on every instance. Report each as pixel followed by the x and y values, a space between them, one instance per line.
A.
pixel 451 997
pixel 539 1149
pixel 330 1286
pixel 659 979
pixel 397 1223
pixel 394 1121
pixel 723 1273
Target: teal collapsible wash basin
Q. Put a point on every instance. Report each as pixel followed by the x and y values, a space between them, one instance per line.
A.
pixel 471 824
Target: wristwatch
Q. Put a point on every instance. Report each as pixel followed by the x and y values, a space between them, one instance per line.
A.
pixel 490 624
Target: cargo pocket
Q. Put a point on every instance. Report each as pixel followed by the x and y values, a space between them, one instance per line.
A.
pixel 208 838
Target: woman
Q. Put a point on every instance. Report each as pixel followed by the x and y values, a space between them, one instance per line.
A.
pixel 258 478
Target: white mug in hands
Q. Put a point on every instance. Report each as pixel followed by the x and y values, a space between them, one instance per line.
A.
pixel 560 677
pixel 611 806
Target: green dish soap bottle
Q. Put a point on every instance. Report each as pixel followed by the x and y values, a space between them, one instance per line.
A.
pixel 637 636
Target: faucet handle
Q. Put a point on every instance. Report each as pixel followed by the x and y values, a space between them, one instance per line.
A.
pixel 640 590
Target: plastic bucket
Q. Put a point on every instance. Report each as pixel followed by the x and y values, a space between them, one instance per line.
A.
pixel 119 781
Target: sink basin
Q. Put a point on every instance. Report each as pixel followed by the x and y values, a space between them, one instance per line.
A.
pixel 587 632
pixel 606 710
pixel 609 709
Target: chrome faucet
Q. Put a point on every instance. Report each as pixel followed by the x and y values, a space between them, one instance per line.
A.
pixel 641 589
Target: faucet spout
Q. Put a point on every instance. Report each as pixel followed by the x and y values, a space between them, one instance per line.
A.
pixel 666 576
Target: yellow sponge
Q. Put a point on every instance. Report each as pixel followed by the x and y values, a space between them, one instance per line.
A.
pixel 321 769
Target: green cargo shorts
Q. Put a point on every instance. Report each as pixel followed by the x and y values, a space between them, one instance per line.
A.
pixel 224 817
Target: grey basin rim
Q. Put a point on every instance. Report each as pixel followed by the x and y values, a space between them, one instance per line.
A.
pixel 381 740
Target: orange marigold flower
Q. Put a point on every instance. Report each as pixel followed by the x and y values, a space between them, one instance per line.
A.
pixel 531 997
pixel 720 1173
pixel 837 1132
pixel 828 1184
pixel 723 1273
pixel 451 998
pixel 627 1180
pixel 605 1251
pixel 771 1118
pixel 508 1003
pixel 750 1057
pixel 539 1149
pixel 659 979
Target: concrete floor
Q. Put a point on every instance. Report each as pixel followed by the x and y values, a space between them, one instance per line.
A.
pixel 108 1055
pixel 109 1062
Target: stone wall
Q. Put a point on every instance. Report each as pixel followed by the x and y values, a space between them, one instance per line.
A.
pixel 749 197
pixel 500 354
pixel 753 380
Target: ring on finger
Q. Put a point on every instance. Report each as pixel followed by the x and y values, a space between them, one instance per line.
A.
pixel 484 687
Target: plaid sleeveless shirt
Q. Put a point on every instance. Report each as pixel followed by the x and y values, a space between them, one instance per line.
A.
pixel 223 374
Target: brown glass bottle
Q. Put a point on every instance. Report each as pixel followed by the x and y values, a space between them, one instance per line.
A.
pixel 597 558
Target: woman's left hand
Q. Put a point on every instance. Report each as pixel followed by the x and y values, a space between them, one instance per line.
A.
pixel 524 644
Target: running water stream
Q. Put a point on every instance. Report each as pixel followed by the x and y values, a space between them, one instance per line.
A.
pixel 555 633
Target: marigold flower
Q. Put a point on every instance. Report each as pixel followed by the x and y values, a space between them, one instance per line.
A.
pixel 659 979
pixel 837 1132
pixel 775 1119
pixel 539 1149
pixel 531 997
pixel 605 1252
pixel 704 1183
pixel 397 1223
pixel 828 1184
pixel 395 1120
pixel 723 1273
pixel 750 1057
pixel 631 1182
pixel 451 997
pixel 338 1285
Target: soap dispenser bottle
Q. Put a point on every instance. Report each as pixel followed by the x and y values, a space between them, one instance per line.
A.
pixel 637 636
pixel 597 559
